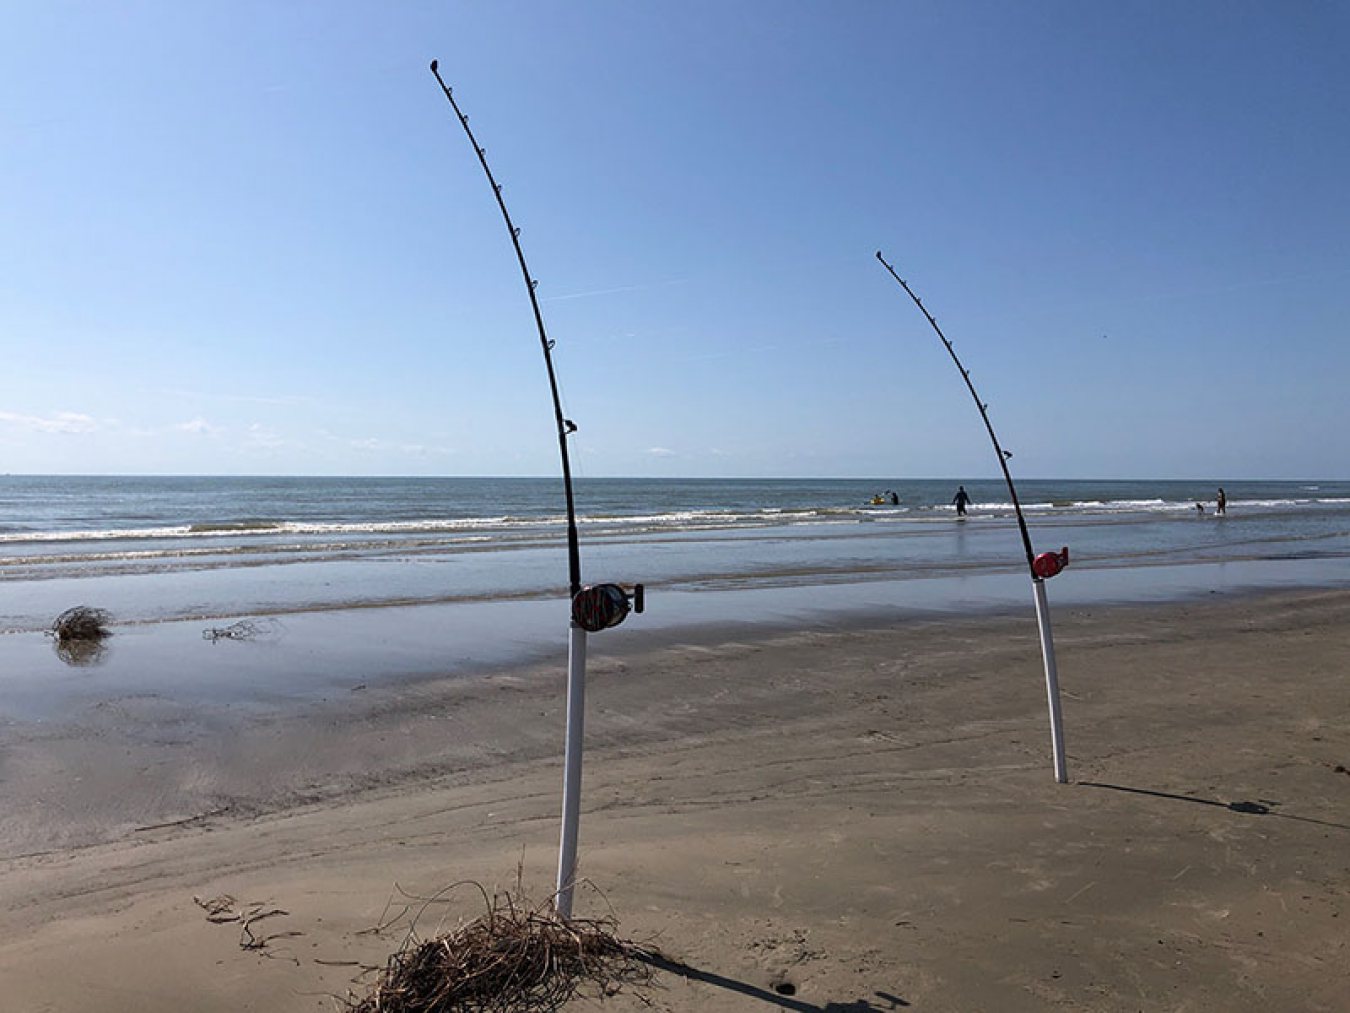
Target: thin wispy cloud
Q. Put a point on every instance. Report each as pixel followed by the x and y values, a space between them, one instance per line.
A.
pixel 732 351
pixel 661 452
pixel 375 445
pixel 207 395
pixel 1242 284
pixel 1021 311
pixel 259 437
pixel 613 291
pixel 198 426
pixel 729 353
pixel 58 422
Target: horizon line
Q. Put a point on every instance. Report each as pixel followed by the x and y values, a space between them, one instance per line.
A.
pixel 666 478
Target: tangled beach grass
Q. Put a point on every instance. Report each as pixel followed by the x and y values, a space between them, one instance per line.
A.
pixel 80 623
pixel 511 959
pixel 79 633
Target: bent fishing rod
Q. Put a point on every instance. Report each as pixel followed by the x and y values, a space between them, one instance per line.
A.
pixel 593 608
pixel 1042 567
pixel 1003 455
pixel 565 426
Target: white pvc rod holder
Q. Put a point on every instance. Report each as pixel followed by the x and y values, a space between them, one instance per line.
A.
pixel 571 811
pixel 1051 682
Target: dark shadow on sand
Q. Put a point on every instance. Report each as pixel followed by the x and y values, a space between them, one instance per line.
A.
pixel 781 999
pixel 1265 807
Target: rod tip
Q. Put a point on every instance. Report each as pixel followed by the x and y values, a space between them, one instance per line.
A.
pixel 433 66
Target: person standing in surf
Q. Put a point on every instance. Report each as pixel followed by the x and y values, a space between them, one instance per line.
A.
pixel 1221 502
pixel 961 499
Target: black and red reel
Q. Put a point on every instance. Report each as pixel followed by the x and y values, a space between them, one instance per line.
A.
pixel 599 607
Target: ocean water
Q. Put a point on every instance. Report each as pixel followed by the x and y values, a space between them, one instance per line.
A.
pixel 363 578
pixel 187 547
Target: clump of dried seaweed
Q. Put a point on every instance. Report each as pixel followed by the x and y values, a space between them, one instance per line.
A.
pixel 512 959
pixel 79 633
pixel 80 623
pixel 244 629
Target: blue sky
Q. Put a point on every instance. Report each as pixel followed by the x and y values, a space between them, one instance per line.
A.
pixel 249 238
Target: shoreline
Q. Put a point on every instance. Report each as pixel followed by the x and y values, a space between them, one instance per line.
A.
pixel 858 811
pixel 347 719
pixel 313 655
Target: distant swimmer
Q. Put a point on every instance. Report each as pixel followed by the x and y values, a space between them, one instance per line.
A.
pixel 1221 502
pixel 961 499
pixel 895 498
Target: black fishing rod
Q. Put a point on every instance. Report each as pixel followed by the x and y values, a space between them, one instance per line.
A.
pixel 594 608
pixel 1003 455
pixel 565 426
pixel 1042 567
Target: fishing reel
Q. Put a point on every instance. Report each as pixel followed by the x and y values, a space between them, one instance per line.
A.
pixel 1047 564
pixel 599 607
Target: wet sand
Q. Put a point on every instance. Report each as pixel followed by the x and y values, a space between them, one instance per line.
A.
pixel 863 817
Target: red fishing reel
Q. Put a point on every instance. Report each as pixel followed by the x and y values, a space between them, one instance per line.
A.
pixel 1047 564
pixel 599 607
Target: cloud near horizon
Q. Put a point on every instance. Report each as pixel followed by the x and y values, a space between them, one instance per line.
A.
pixel 198 426
pixel 376 445
pixel 59 422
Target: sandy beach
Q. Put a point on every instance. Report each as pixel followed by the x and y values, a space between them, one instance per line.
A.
pixel 358 357
pixel 838 818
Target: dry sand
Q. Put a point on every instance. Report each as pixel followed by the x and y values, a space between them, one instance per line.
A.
pixel 864 818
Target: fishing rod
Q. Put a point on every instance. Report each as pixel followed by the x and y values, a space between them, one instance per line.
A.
pixel 594 607
pixel 1042 567
pixel 565 425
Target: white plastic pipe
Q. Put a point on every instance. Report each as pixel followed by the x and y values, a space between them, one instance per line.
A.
pixel 571 811
pixel 1051 682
